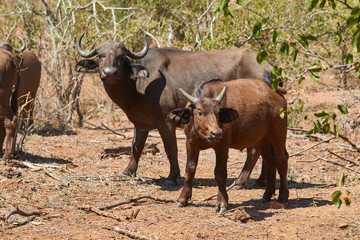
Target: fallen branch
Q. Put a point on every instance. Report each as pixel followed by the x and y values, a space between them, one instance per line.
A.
pixel 306 149
pixel 132 200
pixel 328 161
pixel 102 213
pixel 346 139
pixel 214 195
pixel 342 158
pixel 20 212
pixel 113 131
pixel 127 233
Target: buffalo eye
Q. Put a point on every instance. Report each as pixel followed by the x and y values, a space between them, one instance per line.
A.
pixel 200 113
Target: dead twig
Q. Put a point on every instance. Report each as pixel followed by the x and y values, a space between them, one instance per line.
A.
pixel 102 213
pixel 214 195
pixel 306 149
pixel 132 200
pixel 16 210
pixel 113 131
pixel 342 158
pixel 128 233
pixel 328 161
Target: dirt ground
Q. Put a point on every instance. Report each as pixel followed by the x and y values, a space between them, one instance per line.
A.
pixel 72 175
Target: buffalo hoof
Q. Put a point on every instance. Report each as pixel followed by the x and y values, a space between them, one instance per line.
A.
pixel 238 186
pixel 178 205
pixel 220 210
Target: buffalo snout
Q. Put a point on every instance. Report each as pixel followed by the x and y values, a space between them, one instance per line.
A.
pixel 109 73
pixel 216 134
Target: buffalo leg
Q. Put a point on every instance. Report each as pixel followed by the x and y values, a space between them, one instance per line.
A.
pixel 220 178
pixel 10 129
pixel 191 163
pixel 136 150
pixel 251 159
pixel 168 136
pixel 267 154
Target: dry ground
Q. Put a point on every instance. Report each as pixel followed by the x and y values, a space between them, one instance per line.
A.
pixel 82 168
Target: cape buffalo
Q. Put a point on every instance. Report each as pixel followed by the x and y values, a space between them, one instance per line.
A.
pixel 30 74
pixel 9 77
pixel 144 85
pixel 244 114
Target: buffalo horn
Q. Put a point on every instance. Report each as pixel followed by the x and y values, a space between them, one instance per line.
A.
pixel 86 54
pixel 23 47
pixel 221 95
pixel 141 53
pixel 190 98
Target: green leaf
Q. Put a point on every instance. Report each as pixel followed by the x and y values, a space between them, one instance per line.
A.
pixel 261 57
pixel 303 40
pixel 301 79
pixel 275 84
pixel 311 37
pixel 282 113
pixel 355 42
pixel 231 12
pixel 280 34
pixel 355 11
pixel 339 38
pixel 347 201
pixel 322 4
pixel 317 127
pixel 284 49
pixel 343 109
pixel 336 130
pixel 336 195
pixel 349 58
pixel 226 11
pixel 313 4
pixel 294 54
pixel 326 128
pixel 314 76
pixel 274 37
pixel 332 4
pixel 337 203
pixel 351 21
pixel 315 68
pixel 342 179
pixel 257 28
pixel 310 131
pixel 224 3
pixel 321 113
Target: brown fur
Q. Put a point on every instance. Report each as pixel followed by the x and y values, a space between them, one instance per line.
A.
pixel 255 121
pixel 8 121
pixel 147 102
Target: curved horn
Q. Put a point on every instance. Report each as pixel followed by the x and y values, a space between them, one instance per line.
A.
pixel 23 47
pixel 220 97
pixel 82 52
pixel 190 98
pixel 141 53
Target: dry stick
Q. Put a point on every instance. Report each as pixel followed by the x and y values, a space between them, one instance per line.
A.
pixel 346 139
pixel 113 131
pixel 328 161
pixel 342 158
pixel 131 200
pixel 102 213
pixel 20 212
pixel 297 153
pixel 128 233
pixel 214 195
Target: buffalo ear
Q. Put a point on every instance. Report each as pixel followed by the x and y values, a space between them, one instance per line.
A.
pixel 227 115
pixel 180 115
pixel 87 66
pixel 139 71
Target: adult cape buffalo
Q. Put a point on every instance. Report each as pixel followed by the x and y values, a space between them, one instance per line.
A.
pixel 145 85
pixel 9 79
pixel 30 74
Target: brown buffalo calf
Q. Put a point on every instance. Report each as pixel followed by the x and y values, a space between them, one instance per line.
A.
pixel 246 113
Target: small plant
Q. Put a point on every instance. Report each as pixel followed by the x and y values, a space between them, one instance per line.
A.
pixel 336 196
